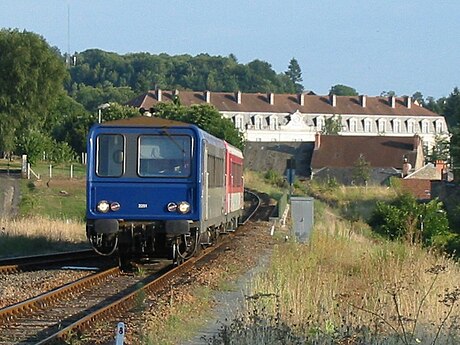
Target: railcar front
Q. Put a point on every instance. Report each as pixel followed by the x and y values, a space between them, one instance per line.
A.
pixel 144 188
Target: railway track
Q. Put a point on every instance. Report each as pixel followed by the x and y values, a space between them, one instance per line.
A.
pixel 55 316
pixel 28 263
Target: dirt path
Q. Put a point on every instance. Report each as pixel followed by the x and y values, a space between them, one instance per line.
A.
pixel 9 194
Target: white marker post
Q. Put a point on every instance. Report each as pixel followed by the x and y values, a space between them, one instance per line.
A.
pixel 120 333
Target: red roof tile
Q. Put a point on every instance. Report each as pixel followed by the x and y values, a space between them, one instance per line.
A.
pixel 286 103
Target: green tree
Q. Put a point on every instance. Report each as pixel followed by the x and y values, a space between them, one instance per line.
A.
pixel 361 171
pixel 332 125
pixel 387 93
pixel 31 80
pixel 342 90
pixel 205 116
pixel 404 218
pixel 295 75
pixel 440 149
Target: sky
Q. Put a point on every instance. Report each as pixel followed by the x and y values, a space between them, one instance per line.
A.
pixel 403 46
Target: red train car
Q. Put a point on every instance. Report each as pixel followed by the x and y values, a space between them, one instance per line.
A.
pixel 234 182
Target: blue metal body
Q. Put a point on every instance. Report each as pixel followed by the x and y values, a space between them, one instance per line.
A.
pixel 146 198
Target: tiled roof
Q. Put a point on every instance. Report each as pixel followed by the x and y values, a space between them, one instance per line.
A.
pixel 286 103
pixel 381 151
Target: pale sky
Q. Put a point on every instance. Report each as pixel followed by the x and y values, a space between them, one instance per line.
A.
pixel 372 46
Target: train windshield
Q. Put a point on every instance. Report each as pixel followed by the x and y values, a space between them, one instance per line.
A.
pixel 164 155
pixel 110 155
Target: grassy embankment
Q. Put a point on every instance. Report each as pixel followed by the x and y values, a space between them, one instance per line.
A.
pixel 51 213
pixel 348 287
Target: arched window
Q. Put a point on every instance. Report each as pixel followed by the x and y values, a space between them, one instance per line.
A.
pixel 239 122
pixel 319 123
pixel 353 125
pixel 439 126
pixel 273 122
pixel 382 125
pixel 258 120
pixel 396 126
pixel 425 126
pixel 410 126
pixel 367 125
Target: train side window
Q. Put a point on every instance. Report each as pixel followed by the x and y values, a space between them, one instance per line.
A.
pixel 110 155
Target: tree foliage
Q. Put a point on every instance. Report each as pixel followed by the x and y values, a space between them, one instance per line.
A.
pixel 205 116
pixel 405 219
pixel 332 125
pixel 343 90
pixel 294 74
pixel 31 80
pixel 361 171
pixel 143 71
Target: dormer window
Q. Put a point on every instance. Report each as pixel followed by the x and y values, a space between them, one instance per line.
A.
pixel 382 125
pixel 410 126
pixel 319 123
pixel 396 126
pixel 439 126
pixel 367 125
pixel 425 126
pixel 258 122
pixel 273 122
pixel 239 122
pixel 353 125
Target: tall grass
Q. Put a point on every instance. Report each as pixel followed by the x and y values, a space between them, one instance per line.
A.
pixel 27 236
pixel 343 286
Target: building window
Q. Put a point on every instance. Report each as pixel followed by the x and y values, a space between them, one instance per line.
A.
pixel 258 122
pixel 425 126
pixel 319 124
pixel 396 126
pixel 273 122
pixel 382 125
pixel 239 122
pixel 353 126
pixel 367 125
pixel 439 126
pixel 410 126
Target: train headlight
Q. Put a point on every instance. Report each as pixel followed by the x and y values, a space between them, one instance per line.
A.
pixel 171 207
pixel 183 207
pixel 103 206
pixel 115 206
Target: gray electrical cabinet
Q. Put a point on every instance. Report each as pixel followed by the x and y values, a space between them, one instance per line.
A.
pixel 302 217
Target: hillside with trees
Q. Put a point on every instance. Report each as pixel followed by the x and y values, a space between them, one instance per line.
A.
pixel 49 100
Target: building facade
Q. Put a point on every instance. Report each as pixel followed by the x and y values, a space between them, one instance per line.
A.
pixel 298 117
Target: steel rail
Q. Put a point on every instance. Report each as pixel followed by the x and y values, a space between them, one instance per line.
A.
pixel 126 302
pixel 9 313
pixel 23 263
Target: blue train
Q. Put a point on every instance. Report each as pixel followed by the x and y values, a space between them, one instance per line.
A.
pixel 158 188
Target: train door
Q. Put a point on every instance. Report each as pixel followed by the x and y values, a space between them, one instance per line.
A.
pixel 205 179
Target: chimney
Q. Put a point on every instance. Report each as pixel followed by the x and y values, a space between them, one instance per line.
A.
pixel 362 99
pixel 207 96
pixel 392 101
pixel 333 100
pixel 159 94
pixel 406 167
pixel 238 97
pixel 317 140
pixel 440 168
pixel 408 102
pixel 301 97
pixel 271 98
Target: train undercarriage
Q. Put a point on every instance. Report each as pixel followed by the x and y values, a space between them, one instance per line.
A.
pixel 137 241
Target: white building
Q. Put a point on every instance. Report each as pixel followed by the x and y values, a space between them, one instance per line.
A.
pixel 297 117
